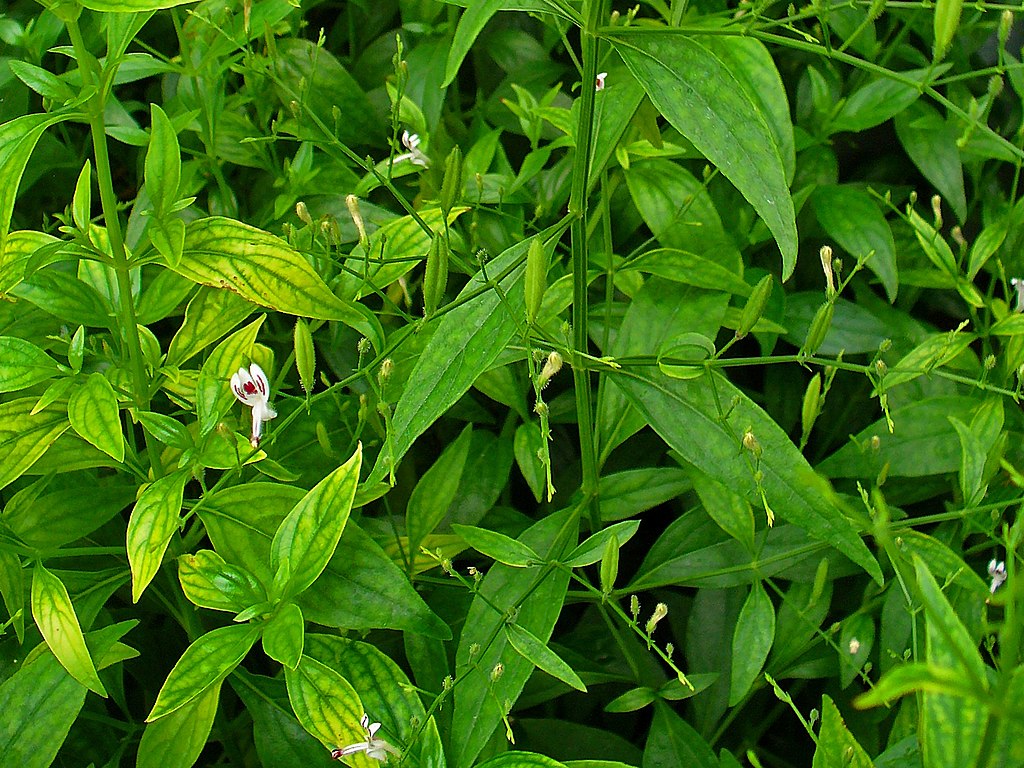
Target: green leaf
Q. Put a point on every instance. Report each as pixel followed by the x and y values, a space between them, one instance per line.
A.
pixel 209 315
pixel 930 142
pixel 58 624
pixel 213 387
pixel 93 412
pixel 176 741
pixel 307 537
pixel 23 364
pixel 923 442
pixel 18 137
pixel 625 494
pixel 278 737
pixel 210 582
pixel 435 491
pixel 131 6
pixel 730 511
pixel 154 519
pixel 386 694
pixel 166 429
pixel 539 654
pixel 467 342
pixel 41 703
pixel 514 759
pixel 204 663
pixel 690 269
pixel 43 82
pixel 283 636
pixel 933 244
pixel 850 216
pixel 882 98
pixel 673 742
pixel 498 546
pixel 46 520
pixel 539 593
pixel 751 641
pixel 265 270
pixel 591 550
pixel 163 163
pixel 325 703
pixel 700 96
pixel 471 23
pixel 12 588
pixel 679 409
pixel 837 747
pixel 916 677
pixel 361 588
pixel 528 445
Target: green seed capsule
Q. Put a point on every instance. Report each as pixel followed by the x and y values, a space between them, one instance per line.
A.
pixel 755 305
pixel 610 564
pixel 451 187
pixel 819 328
pixel 812 404
pixel 436 278
pixel 305 355
pixel 536 278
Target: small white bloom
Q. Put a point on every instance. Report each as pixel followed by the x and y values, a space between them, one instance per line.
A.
pixel 376 748
pixel 997 572
pixel 252 389
pixel 854 646
pixel 411 141
pixel 599 85
pixel 1018 286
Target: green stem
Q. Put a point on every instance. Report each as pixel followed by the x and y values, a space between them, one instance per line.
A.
pixel 122 270
pixel 594 12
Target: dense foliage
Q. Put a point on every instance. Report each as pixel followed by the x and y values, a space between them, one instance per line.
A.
pixel 523 384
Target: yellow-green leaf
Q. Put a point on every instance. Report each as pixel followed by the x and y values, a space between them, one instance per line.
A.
pixel 177 740
pixel 58 624
pixel 267 271
pixel 93 412
pixel 25 436
pixel 154 520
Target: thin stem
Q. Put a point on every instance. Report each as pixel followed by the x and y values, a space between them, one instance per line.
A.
pixel 594 12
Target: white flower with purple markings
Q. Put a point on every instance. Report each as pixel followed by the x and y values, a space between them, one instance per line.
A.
pixel 252 389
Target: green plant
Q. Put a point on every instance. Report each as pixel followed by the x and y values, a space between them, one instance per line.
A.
pixel 456 369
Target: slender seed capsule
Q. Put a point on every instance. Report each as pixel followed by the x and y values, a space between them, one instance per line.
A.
pixel 536 278
pixel 451 187
pixel 436 278
pixel 755 305
pixel 811 406
pixel 610 564
pixel 819 328
pixel 305 355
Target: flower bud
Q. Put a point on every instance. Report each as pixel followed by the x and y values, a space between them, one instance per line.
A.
pixel 435 279
pixel 451 186
pixel 751 444
pixel 536 278
pixel 660 612
pixel 995 86
pixel 825 254
pixel 755 305
pixel 303 213
pixel 551 367
pixel 1005 25
pixel 937 211
pixel 352 202
pixel 634 606
pixel 386 369
pixel 497 671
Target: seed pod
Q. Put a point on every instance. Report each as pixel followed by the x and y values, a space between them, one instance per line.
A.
pixel 819 328
pixel 536 278
pixel 610 564
pixel 946 21
pixel 811 406
pixel 436 278
pixel 755 305
pixel 305 355
pixel 451 187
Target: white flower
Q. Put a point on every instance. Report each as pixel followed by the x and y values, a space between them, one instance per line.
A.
pixel 997 571
pixel 599 85
pixel 376 748
pixel 411 141
pixel 252 388
pixel 1018 285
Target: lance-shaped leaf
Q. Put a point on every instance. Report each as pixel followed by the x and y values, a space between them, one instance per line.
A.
pixel 307 537
pixel 207 661
pixel 703 99
pixel 58 624
pixel 18 138
pixel 264 269
pixel 325 703
pixel 283 636
pixel 93 412
pixel 534 650
pixel 498 546
pixel 23 364
pixel 210 582
pixel 154 520
pixel 751 640
pixel 177 740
